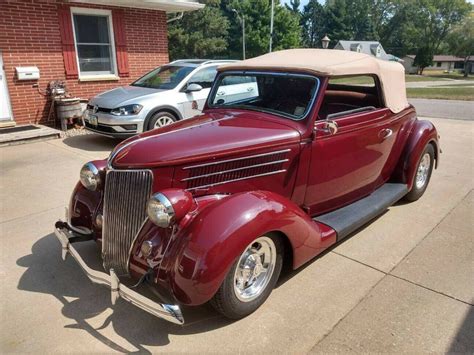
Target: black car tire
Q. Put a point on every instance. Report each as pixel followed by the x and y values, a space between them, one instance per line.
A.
pixel 226 302
pixel 165 117
pixel 418 190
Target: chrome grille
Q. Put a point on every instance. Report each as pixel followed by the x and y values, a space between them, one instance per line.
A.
pixel 126 195
pixel 217 173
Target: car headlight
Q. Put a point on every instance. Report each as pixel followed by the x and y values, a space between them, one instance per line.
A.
pixel 160 210
pixel 90 177
pixel 127 110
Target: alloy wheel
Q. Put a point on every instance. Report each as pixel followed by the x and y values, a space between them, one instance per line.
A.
pixel 255 269
pixel 423 171
pixel 163 121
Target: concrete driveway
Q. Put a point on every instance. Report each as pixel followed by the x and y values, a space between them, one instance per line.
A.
pixel 404 283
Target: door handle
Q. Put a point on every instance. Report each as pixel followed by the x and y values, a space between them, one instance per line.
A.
pixel 221 93
pixel 385 133
pixel 249 89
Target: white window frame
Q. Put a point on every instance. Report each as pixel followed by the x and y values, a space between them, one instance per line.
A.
pixel 93 76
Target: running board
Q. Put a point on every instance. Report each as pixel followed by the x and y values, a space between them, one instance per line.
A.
pixel 347 219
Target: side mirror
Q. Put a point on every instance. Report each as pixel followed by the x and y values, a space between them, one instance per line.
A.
pixel 193 87
pixel 326 127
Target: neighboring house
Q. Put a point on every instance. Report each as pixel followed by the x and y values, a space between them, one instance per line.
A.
pixel 447 63
pixel 92 45
pixel 368 47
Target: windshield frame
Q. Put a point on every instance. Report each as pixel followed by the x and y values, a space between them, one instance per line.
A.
pixel 192 67
pixel 258 72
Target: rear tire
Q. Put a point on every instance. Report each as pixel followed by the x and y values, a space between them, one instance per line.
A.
pixel 161 119
pixel 422 175
pixel 245 288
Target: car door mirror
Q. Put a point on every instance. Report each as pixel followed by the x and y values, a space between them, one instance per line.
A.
pixel 193 87
pixel 327 127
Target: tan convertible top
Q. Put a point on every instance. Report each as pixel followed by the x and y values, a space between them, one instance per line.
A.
pixel 333 62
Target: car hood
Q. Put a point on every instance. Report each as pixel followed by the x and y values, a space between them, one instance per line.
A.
pixel 203 138
pixel 113 98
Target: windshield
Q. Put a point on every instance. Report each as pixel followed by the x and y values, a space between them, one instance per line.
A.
pixel 166 77
pixel 289 95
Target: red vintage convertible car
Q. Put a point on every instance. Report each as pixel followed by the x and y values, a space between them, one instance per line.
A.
pixel 294 151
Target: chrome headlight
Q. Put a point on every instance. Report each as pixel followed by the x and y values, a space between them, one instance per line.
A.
pixel 127 110
pixel 90 177
pixel 160 210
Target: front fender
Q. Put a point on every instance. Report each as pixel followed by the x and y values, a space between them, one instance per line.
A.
pixel 84 204
pixel 208 245
pixel 422 133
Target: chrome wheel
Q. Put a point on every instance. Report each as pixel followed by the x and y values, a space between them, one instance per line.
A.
pixel 255 269
pixel 423 171
pixel 163 121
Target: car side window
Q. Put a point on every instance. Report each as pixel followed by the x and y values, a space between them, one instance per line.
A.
pixel 349 95
pixel 204 77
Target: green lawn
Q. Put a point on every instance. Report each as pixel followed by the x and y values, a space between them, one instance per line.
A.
pixel 467 83
pixel 420 78
pixel 357 80
pixel 437 75
pixel 451 93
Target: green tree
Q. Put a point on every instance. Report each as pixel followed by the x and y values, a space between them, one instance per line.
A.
pixel 423 59
pixel 199 34
pixel 397 30
pixel 381 11
pixel 294 6
pixel 286 31
pixel 461 42
pixel 360 20
pixel 313 23
pixel 421 24
pixel 350 20
pixel 436 18
pixel 337 21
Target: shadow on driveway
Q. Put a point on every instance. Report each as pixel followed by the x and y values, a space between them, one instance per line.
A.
pixel 463 342
pixel 92 142
pixel 47 273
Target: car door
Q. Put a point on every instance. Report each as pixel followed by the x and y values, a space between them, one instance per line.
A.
pixel 347 163
pixel 236 88
pixel 193 102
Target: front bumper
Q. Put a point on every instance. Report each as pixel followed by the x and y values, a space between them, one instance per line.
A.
pixel 171 313
pixel 114 126
pixel 108 131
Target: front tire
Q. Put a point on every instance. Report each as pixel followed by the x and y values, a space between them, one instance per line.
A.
pixel 423 174
pixel 161 119
pixel 251 278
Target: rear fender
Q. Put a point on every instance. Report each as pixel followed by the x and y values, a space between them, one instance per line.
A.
pixel 206 248
pixel 422 133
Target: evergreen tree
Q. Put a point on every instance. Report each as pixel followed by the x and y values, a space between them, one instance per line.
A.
pixel 294 6
pixel 338 21
pixel 313 23
pixel 199 34
pixel 286 30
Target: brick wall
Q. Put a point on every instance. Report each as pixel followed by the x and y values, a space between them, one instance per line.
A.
pixel 30 36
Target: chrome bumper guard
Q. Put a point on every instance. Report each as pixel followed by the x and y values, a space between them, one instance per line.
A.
pixel 171 313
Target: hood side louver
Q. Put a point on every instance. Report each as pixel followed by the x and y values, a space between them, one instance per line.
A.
pixel 216 173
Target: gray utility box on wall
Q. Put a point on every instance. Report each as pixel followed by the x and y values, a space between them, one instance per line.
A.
pixel 27 73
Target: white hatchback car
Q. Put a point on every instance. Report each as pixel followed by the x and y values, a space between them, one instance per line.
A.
pixel 169 93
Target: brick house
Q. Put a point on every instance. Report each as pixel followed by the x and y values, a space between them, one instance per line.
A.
pixel 93 45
